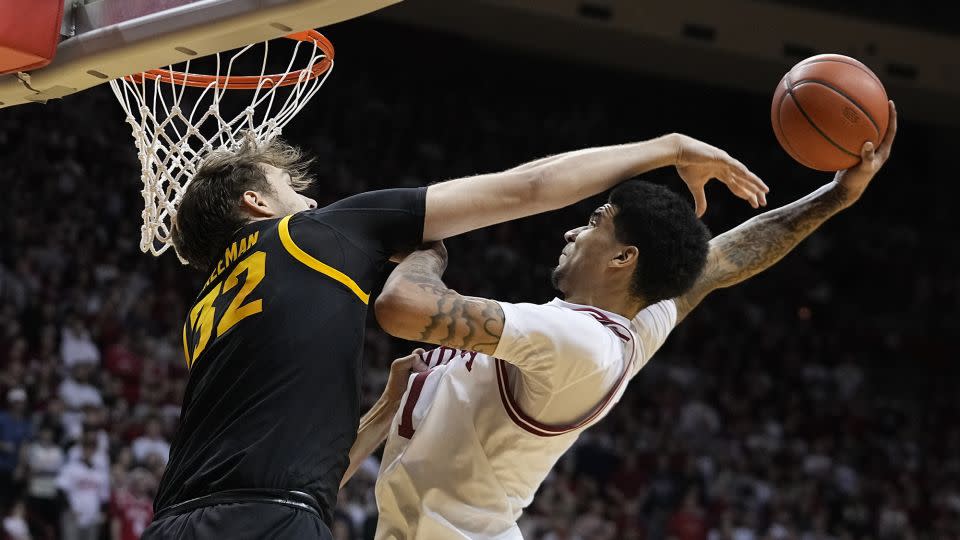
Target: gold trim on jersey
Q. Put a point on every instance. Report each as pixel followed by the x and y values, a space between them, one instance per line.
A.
pixel 186 352
pixel 305 258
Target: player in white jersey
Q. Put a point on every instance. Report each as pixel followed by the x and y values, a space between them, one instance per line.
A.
pixel 476 435
pixel 488 414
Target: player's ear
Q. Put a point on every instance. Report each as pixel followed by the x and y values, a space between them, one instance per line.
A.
pixel 257 205
pixel 626 256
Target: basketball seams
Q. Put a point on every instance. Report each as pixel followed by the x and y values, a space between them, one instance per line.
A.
pixel 782 135
pixel 855 103
pixel 786 140
pixel 814 125
pixel 862 68
pixel 821 106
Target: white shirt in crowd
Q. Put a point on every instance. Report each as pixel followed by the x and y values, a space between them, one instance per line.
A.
pixel 86 489
pixel 16 528
pixel 45 463
pixel 76 395
pixel 72 422
pixel 144 446
pixel 476 435
pixel 76 347
pixel 101 458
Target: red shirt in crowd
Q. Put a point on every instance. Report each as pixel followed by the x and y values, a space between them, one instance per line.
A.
pixel 128 367
pixel 687 525
pixel 133 512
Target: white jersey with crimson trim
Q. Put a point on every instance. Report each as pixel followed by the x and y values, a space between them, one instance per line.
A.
pixel 476 435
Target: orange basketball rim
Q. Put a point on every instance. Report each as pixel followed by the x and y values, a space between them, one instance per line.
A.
pixel 248 82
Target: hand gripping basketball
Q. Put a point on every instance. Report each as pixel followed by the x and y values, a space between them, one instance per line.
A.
pixel 857 178
pixel 698 163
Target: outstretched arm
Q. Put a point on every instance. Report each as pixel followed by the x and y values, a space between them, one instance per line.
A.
pixel 465 204
pixel 757 244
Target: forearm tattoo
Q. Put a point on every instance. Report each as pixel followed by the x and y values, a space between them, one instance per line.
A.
pixel 454 320
pixel 757 244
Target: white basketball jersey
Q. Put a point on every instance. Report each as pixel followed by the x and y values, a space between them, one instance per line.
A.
pixel 465 454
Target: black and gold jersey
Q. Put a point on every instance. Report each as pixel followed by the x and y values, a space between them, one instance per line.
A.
pixel 274 344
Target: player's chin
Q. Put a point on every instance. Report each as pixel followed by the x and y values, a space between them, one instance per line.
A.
pixel 556 277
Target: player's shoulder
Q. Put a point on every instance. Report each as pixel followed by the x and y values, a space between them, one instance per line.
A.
pixel 579 327
pixel 652 325
pixel 656 318
pixel 318 232
pixel 586 316
pixel 556 312
pixel 319 221
pixel 313 215
pixel 390 199
pixel 664 311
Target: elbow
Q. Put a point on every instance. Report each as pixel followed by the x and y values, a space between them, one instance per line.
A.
pixel 388 309
pixel 397 311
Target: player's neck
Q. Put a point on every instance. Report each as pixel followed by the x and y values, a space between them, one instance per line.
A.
pixel 614 302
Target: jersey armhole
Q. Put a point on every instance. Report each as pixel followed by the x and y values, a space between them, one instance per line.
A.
pixel 283 229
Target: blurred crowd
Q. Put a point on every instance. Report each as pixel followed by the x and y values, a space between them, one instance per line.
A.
pixel 816 402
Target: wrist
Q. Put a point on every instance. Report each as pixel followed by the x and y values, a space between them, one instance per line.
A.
pixel 436 262
pixel 673 147
pixel 848 195
pixel 422 264
pixel 663 151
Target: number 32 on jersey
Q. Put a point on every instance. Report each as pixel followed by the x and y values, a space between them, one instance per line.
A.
pixel 206 322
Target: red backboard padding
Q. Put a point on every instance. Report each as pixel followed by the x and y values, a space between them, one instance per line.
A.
pixel 29 33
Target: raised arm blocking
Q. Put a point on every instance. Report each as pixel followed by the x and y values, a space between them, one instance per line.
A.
pixel 465 204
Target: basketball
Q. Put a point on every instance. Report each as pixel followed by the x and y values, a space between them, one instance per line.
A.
pixel 825 108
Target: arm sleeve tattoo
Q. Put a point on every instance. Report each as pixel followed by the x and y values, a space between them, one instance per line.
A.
pixel 443 316
pixel 759 243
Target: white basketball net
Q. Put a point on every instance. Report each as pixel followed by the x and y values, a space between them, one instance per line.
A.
pixel 172 141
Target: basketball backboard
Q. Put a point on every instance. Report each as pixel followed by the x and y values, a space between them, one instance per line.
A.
pixel 108 39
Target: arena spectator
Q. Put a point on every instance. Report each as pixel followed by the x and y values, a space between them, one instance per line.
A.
pixel 124 363
pixel 561 529
pixel 77 390
pixel 15 525
pixel 44 459
pixel 593 522
pixel 86 488
pixel 15 430
pixel 688 522
pixel 76 345
pixel 92 426
pixel 52 418
pixel 151 443
pixel 131 506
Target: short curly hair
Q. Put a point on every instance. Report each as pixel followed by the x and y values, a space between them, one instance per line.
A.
pixel 672 241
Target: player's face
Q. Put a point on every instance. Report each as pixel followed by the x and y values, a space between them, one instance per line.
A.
pixel 284 198
pixel 584 260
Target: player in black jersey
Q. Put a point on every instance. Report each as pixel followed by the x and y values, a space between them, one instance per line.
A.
pixel 274 339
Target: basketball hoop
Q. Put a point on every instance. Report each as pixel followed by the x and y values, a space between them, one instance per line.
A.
pixel 172 142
